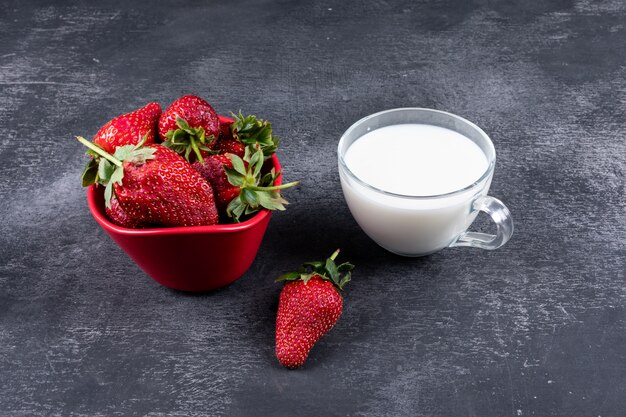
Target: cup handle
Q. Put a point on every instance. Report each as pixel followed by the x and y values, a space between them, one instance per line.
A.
pixel 501 216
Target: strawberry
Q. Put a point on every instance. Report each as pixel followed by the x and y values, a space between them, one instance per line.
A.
pixel 213 171
pixel 118 216
pixel 127 129
pixel 225 132
pixel 309 306
pixel 130 128
pixel 230 146
pixel 240 189
pixel 226 143
pixel 189 124
pixel 154 185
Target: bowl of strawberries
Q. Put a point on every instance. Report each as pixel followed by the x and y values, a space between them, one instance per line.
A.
pixel 187 194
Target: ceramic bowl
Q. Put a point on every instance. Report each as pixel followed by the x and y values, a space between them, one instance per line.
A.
pixel 195 258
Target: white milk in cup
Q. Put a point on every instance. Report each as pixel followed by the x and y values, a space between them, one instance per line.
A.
pixel 415 179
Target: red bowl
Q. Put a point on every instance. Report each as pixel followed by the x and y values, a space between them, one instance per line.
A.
pixel 195 258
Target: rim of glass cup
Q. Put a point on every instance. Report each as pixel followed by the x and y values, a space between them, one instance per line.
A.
pixel 484 176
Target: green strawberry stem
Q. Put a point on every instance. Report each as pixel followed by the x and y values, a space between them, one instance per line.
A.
pixel 272 188
pixel 195 148
pixel 185 139
pixel 339 275
pixel 99 151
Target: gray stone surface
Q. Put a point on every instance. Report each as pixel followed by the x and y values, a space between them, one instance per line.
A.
pixel 536 328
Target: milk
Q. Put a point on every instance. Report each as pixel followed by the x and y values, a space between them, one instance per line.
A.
pixel 416 160
pixel 405 174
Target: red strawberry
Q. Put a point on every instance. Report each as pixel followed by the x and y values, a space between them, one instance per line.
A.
pixel 130 128
pixel 230 146
pixel 212 170
pixel 309 306
pixel 239 187
pixel 225 132
pixel 127 129
pixel 189 124
pixel 118 216
pixel 155 186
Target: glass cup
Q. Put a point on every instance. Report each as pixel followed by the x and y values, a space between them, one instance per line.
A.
pixel 420 225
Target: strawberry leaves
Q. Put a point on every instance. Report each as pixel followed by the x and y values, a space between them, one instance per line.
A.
pixel 90 173
pixel 250 131
pixel 257 192
pixel 99 164
pixel 186 139
pixel 339 275
pixel 107 169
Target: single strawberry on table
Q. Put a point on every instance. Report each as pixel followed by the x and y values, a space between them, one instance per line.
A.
pixel 127 129
pixel 190 124
pixel 240 186
pixel 309 306
pixel 153 186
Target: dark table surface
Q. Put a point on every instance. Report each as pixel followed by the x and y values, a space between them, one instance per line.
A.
pixel 536 328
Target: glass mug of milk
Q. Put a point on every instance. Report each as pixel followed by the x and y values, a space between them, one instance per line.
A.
pixel 415 179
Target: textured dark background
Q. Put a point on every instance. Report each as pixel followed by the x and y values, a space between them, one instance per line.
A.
pixel 537 328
